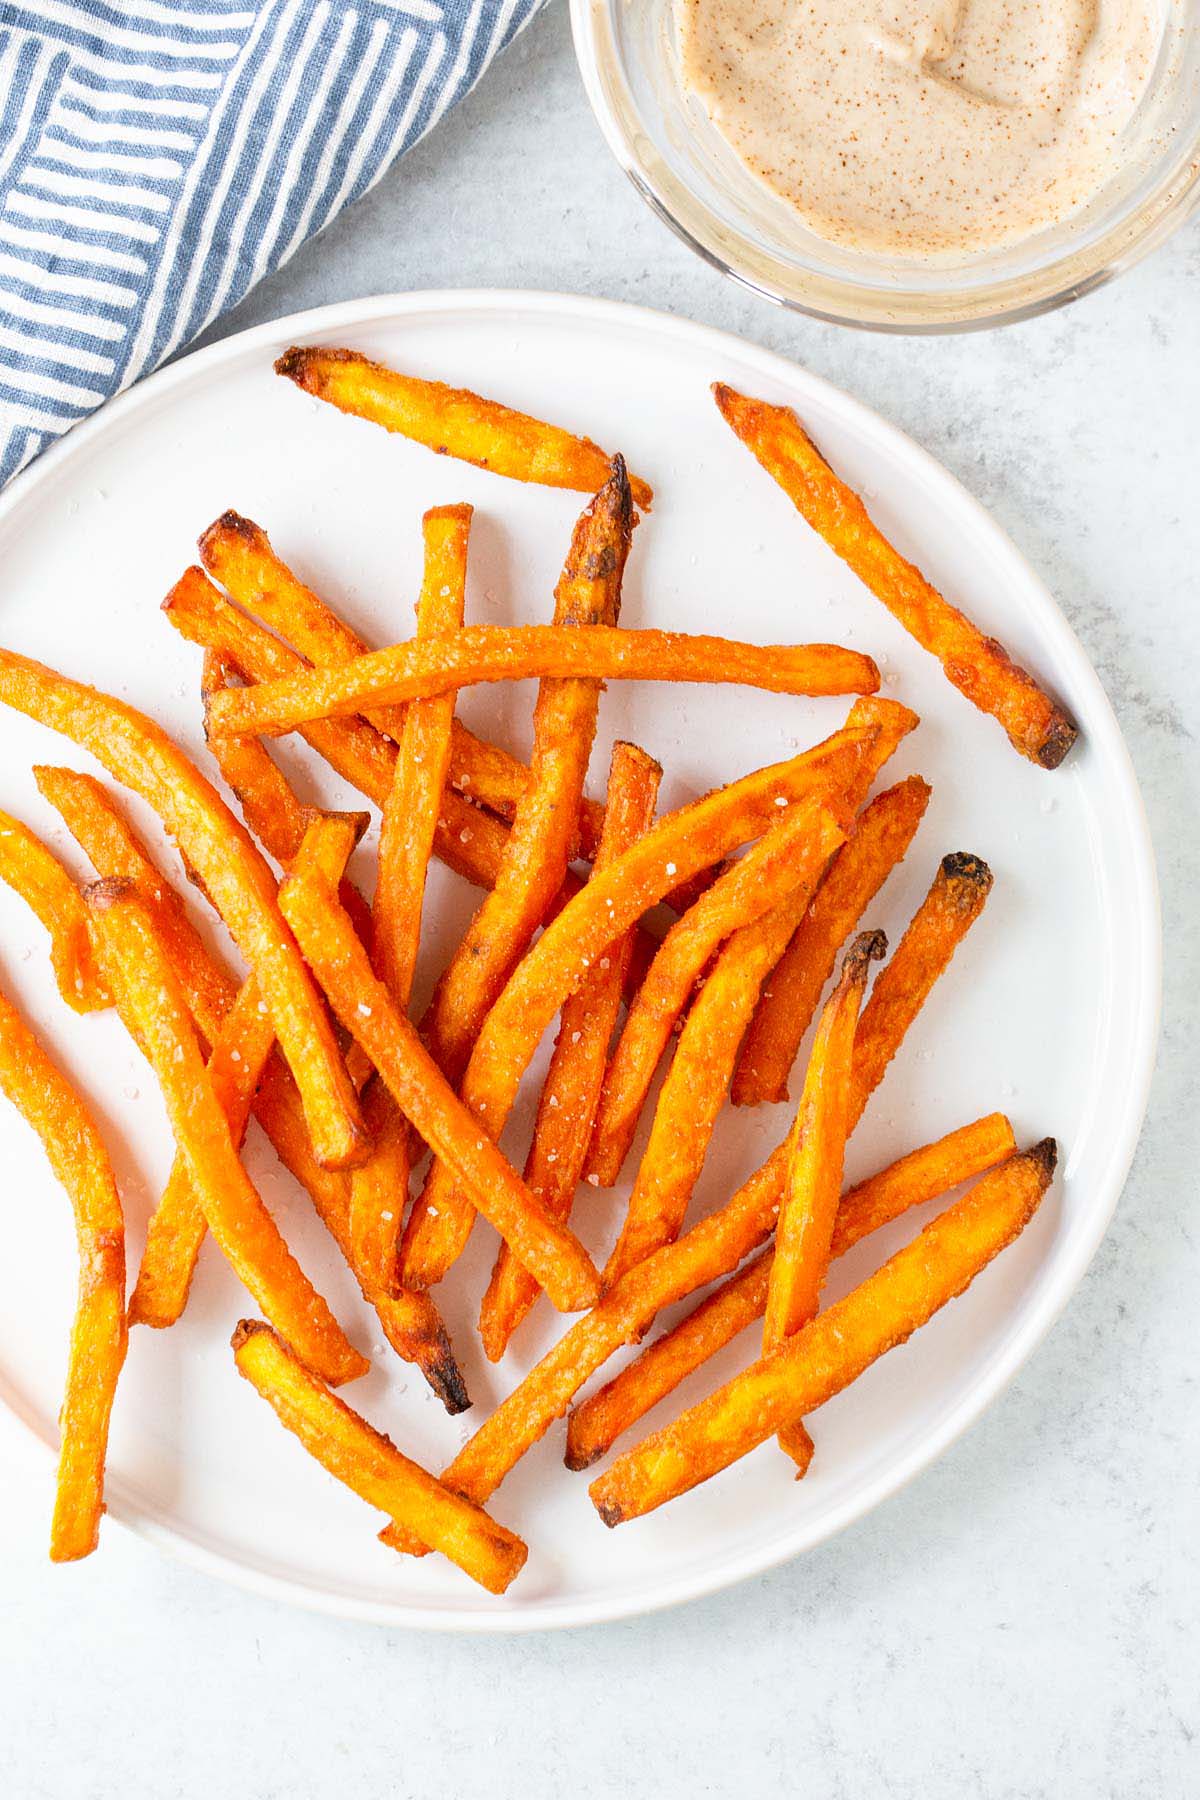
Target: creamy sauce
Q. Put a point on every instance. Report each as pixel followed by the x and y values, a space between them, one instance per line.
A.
pixel 923 127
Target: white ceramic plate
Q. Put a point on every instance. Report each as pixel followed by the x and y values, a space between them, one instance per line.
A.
pixel 1049 1011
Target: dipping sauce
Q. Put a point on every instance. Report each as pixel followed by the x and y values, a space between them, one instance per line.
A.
pixel 923 128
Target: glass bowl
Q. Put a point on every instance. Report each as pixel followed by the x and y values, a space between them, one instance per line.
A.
pixel 664 141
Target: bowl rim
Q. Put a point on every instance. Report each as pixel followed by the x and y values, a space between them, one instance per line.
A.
pixel 840 301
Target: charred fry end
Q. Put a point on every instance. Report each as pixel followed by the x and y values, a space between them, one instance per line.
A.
pixel 969 875
pixel 868 947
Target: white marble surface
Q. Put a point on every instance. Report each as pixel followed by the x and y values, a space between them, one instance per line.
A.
pixel 1023 1620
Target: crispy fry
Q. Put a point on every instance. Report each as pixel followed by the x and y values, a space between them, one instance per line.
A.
pixel 791 853
pixel 270 806
pixel 831 1352
pixel 692 838
pixel 411 1322
pixel 482 653
pixel 41 1092
pixel 978 666
pixel 952 905
pixel 921 1176
pixel 239 554
pixel 816 1155
pixel 362 1003
pixel 453 421
pixel 150 999
pixel 410 813
pixel 878 841
pixel 370 1464
pixel 698 1078
pixel 571 1092
pixel 234 874
pixel 32 871
pixel 588 597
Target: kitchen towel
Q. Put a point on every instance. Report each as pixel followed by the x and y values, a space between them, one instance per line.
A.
pixel 158 157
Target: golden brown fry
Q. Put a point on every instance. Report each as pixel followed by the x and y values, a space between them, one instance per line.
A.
pixel 482 653
pixel 41 1092
pixel 30 869
pixel 588 597
pixel 370 1464
pixel 239 554
pixel 878 841
pixel 234 873
pixel 150 1000
pixel 978 666
pixel 816 1155
pixel 827 1355
pixel 361 1002
pixel 270 806
pixel 921 1176
pixel 698 1078
pixel 952 905
pixel 453 421
pixel 791 853
pixel 571 1091
pixel 694 837
pixel 411 1322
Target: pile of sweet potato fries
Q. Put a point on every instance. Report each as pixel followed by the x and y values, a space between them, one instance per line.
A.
pixel 767 880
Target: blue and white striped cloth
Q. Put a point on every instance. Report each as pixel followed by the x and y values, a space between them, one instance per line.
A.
pixel 158 157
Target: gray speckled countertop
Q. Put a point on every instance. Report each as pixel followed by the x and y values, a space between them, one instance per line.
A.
pixel 1022 1621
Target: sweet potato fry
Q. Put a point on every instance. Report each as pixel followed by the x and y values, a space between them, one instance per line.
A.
pixel 482 653
pixel 234 873
pixel 571 1091
pixel 41 1092
pixel 239 554
pixel 952 905
pixel 698 1078
pixel 790 854
pixel 370 1464
pixel 453 421
pixel 29 868
pixel 978 666
pixel 411 1322
pixel 816 1155
pixel 827 1355
pixel 364 1007
pixel 587 598
pixel 921 1176
pixel 410 813
pixel 692 838
pixel 879 840
pixel 150 1000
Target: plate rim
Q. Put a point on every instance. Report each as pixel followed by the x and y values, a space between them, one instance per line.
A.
pixel 1146 975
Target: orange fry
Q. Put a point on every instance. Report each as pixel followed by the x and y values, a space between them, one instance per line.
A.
pixel 978 666
pixel 921 1176
pixel 370 1464
pixel 588 597
pixel 552 1253
pixel 694 837
pixel 453 421
pixel 234 873
pixel 46 888
pixel 879 840
pixel 816 1155
pixel 952 905
pixel 571 1092
pixel 41 1092
pixel 483 653
pixel 816 1363
pixel 151 1002
pixel 698 1078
